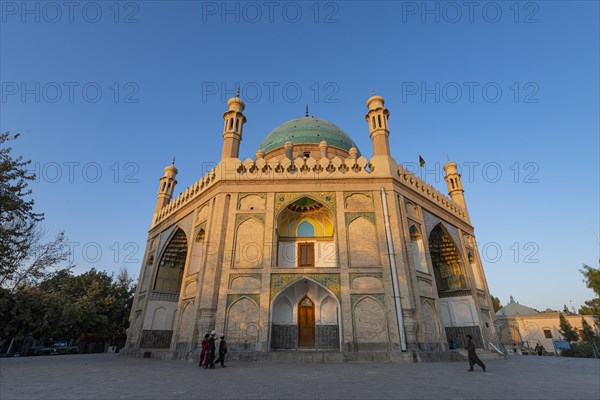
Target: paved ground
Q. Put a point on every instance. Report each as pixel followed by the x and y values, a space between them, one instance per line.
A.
pixel 110 376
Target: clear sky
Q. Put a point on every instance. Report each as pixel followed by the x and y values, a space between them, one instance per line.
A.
pixel 105 94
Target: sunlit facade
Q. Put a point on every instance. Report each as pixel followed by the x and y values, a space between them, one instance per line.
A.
pixel 311 246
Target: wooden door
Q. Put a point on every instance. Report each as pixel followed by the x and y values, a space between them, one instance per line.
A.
pixel 306 323
pixel 306 255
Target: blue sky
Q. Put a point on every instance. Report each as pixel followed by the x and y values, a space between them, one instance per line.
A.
pixel 509 90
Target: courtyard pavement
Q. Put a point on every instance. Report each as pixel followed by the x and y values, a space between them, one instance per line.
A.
pixel 110 376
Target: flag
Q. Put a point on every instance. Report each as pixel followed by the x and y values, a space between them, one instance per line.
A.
pixel 421 162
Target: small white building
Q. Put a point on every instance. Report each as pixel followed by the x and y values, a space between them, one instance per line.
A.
pixel 526 327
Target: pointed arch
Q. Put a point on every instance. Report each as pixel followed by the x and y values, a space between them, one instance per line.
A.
pixel 242 321
pixel 327 334
pixel 446 261
pixel 417 249
pixel 172 263
pixel 328 311
pixel 362 243
pixel 370 321
pixel 249 243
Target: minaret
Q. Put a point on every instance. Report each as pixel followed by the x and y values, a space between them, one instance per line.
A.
pixel 377 118
pixel 232 129
pixel 166 188
pixel 455 189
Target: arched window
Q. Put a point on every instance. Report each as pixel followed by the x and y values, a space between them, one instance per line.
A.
pixel 172 264
pixel 476 271
pixel 306 229
pixel 200 236
pixel 446 260
pixel 418 249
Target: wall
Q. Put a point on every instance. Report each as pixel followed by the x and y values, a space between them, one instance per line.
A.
pixel 325 254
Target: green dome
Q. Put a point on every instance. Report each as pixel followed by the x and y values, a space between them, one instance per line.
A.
pixel 307 130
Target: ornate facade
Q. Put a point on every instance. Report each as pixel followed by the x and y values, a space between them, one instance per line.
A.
pixel 310 246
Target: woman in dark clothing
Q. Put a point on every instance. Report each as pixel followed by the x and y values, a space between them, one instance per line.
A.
pixel 203 345
pixel 222 351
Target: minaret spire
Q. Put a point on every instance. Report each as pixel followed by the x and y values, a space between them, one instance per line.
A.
pixel 455 188
pixel 377 119
pixel 306 115
pixel 232 128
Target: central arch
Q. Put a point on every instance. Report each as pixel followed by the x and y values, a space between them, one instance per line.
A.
pixel 305 315
pixel 305 235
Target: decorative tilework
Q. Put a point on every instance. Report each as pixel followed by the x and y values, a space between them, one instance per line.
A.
pixel 283 199
pixel 354 298
pixel 432 220
pixel 281 281
pixel 377 275
pixel 242 217
pixel 233 276
pixel 350 216
pixel 348 194
pixel 231 298
pixel 243 195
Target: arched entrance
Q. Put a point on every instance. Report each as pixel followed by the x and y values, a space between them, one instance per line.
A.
pixel 305 235
pixel 305 315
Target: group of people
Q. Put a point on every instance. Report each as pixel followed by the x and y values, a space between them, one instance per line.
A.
pixel 208 351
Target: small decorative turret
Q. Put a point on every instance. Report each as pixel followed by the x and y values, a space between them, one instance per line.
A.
pixel 455 189
pixel 166 187
pixel 323 146
pixel 377 118
pixel 232 129
pixel 289 149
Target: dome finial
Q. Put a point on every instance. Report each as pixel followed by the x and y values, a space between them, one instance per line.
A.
pixel 237 92
pixel 306 115
pixel 372 92
pixel 173 162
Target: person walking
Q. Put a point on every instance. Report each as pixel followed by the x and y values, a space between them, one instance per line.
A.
pixel 210 351
pixel 473 359
pixel 222 351
pixel 203 346
pixel 538 349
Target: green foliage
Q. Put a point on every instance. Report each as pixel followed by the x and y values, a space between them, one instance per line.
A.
pixel 589 335
pixel 592 281
pixel 496 303
pixel 592 278
pixel 566 329
pixel 66 306
pixel 581 350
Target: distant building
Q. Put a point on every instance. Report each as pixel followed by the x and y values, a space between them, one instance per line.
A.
pixel 526 327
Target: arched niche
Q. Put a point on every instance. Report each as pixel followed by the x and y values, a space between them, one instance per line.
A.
pixel 446 260
pixel 305 235
pixel 417 249
pixel 172 264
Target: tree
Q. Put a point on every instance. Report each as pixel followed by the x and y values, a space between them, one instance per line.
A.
pixel 17 218
pixel 566 329
pixel 66 306
pixel 592 281
pixel 39 261
pixel 588 333
pixel 496 303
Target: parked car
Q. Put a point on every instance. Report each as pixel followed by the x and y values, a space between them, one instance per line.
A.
pixel 63 347
pixel 42 350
